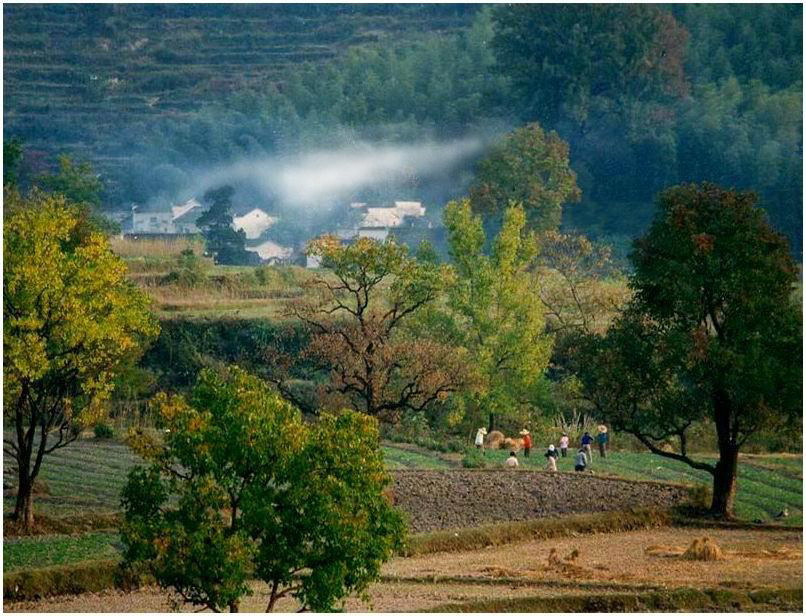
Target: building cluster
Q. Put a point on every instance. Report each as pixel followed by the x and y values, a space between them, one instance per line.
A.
pixel 363 221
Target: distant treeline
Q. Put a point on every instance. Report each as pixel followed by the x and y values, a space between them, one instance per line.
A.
pixel 645 96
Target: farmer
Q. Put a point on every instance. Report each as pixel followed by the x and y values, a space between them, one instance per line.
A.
pixel 527 442
pixel 480 439
pixel 602 439
pixel 512 460
pixel 580 461
pixel 564 444
pixel 551 458
pixel 587 439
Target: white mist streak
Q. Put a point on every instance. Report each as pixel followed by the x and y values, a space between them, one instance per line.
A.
pixel 320 177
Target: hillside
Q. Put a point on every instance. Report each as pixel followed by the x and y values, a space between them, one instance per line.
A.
pixel 74 74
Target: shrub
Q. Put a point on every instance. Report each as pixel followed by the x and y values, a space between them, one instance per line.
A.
pixel 473 458
pixel 103 430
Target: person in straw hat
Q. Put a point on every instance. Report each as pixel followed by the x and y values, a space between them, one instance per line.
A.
pixel 480 438
pixel 602 439
pixel 527 442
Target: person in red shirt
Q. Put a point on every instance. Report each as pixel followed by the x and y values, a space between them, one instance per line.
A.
pixel 527 442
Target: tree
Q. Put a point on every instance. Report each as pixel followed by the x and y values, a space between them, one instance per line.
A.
pixel 78 182
pixel 242 488
pixel 12 158
pixel 357 319
pixel 579 286
pixel 81 185
pixel 497 308
pixel 226 244
pixel 566 61
pixel 71 321
pixel 529 167
pixel 712 332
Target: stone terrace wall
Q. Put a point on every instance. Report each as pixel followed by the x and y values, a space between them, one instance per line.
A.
pixel 436 500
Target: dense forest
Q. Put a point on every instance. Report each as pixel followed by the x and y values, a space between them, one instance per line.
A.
pixel 645 95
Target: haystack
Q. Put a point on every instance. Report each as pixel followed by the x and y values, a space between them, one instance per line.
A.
pixel 513 444
pixel 704 549
pixel 494 439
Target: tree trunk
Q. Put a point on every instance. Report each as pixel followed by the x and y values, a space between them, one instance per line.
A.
pixel 24 508
pixel 725 482
pixel 234 606
pixel 726 467
pixel 491 425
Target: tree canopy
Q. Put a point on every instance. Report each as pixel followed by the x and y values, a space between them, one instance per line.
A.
pixel 497 311
pixel 713 332
pixel 71 321
pixel 242 488
pixel 531 168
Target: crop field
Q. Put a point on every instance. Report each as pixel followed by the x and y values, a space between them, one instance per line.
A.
pixel 766 484
pixel 763 570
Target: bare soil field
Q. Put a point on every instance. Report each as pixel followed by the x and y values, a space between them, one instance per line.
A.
pixel 607 564
pixel 437 500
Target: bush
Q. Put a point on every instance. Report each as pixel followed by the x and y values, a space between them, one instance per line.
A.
pixel 473 458
pixel 102 430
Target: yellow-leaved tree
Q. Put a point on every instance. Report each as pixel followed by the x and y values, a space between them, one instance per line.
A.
pixel 70 320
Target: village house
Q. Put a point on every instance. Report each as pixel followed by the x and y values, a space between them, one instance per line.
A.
pixel 378 223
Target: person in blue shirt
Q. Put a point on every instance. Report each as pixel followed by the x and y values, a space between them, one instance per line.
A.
pixel 587 439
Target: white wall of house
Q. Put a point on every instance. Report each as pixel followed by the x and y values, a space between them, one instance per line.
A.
pixel 152 222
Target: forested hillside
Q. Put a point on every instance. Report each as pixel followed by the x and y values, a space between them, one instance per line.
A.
pixel 645 96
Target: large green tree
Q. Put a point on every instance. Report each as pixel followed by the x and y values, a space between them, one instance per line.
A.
pixel 242 488
pixel 529 167
pixel 71 321
pixel 497 310
pixel 712 333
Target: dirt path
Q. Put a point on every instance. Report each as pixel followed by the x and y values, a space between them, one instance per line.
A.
pixel 606 564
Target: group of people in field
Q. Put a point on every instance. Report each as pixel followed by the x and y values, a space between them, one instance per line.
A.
pixel 582 458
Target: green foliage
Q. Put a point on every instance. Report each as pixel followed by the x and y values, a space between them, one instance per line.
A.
pixel 569 60
pixel 12 157
pixel 496 310
pixel 530 168
pixel 78 182
pixel 225 244
pixel 190 271
pixel 71 321
pixel 711 333
pixel 474 458
pixel 103 430
pixel 260 494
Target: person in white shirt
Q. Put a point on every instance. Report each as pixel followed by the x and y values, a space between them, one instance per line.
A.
pixel 564 445
pixel 512 461
pixel 480 439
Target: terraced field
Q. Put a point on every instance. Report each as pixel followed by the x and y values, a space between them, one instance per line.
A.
pixel 78 77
